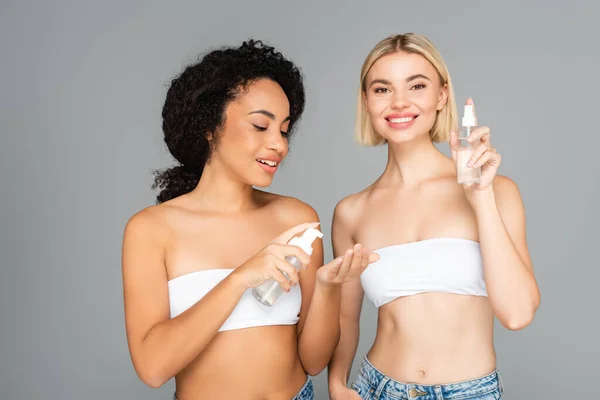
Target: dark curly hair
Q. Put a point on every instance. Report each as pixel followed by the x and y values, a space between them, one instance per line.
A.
pixel 196 101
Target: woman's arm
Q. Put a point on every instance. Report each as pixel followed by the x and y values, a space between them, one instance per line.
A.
pixel 511 285
pixel 352 295
pixel 318 328
pixel 509 278
pixel 159 346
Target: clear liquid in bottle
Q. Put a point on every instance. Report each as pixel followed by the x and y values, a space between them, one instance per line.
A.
pixel 269 291
pixel 466 174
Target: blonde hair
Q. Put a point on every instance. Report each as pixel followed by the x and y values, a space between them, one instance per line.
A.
pixel 447 117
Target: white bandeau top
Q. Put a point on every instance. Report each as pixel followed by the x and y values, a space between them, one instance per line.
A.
pixel 188 289
pixel 447 265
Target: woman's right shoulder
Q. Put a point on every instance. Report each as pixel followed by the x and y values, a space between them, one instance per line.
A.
pixel 349 209
pixel 151 221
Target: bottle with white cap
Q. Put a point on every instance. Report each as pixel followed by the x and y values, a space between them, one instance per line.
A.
pixel 268 292
pixel 465 174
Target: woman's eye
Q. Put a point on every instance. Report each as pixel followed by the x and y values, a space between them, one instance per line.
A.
pixel 381 90
pixel 284 134
pixel 260 128
pixel 419 86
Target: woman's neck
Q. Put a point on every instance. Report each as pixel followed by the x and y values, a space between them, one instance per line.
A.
pixel 413 162
pixel 221 191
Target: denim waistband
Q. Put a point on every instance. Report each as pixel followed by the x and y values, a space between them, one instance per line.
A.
pixel 306 392
pixel 380 383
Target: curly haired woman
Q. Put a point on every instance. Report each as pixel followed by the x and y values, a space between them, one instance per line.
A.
pixel 190 262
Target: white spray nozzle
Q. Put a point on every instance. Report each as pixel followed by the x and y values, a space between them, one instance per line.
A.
pixel 469 116
pixel 305 241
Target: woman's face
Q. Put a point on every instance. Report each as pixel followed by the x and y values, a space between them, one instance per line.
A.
pixel 253 140
pixel 403 94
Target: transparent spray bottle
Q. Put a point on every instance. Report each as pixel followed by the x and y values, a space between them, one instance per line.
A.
pixel 269 291
pixel 465 174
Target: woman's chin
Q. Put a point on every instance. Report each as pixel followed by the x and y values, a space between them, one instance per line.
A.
pixel 400 138
pixel 261 183
pixel 405 137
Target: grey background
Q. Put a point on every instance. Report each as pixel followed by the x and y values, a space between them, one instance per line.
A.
pixel 81 89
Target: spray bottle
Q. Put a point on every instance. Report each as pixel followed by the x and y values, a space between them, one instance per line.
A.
pixel 269 291
pixel 465 174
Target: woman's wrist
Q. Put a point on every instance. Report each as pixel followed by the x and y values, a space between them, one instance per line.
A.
pixel 332 288
pixel 482 199
pixel 235 282
pixel 336 386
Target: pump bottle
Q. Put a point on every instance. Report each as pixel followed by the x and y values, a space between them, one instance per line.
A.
pixel 269 291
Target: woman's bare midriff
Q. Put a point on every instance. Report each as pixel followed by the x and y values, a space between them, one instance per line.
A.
pixel 258 363
pixel 434 338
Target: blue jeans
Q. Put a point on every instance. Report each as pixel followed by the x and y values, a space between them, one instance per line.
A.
pixel 307 392
pixel 372 384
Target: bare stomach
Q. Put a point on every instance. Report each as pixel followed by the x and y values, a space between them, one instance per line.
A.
pixel 434 338
pixel 256 364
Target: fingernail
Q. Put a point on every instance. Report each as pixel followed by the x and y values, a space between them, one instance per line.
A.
pixel 339 260
pixel 349 252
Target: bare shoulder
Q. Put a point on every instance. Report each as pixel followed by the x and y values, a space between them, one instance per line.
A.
pixel 350 208
pixel 149 223
pixel 504 182
pixel 162 218
pixel 506 191
pixel 289 209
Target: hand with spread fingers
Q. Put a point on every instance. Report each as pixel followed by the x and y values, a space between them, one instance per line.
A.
pixel 346 267
pixel 484 156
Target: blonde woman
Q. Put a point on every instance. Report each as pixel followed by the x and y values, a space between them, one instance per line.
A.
pixel 452 257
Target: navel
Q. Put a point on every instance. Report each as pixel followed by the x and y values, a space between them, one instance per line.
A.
pixel 421 373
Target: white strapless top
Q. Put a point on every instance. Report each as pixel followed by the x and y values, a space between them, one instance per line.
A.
pixel 448 265
pixel 188 289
